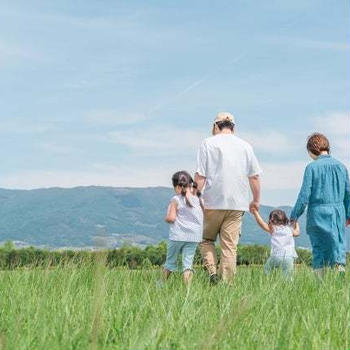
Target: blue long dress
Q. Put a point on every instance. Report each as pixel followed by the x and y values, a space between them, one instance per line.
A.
pixel 326 193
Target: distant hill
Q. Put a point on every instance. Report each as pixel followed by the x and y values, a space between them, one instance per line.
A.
pixel 58 217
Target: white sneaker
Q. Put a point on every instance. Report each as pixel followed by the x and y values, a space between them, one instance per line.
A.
pixel 340 268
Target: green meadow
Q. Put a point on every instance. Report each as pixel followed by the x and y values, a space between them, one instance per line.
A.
pixel 94 307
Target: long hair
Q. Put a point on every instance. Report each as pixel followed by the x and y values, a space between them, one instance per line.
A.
pixel 185 181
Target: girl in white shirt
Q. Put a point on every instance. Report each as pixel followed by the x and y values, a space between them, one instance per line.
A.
pixel 185 219
pixel 282 241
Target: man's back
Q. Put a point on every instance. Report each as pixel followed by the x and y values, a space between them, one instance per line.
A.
pixel 228 169
pixel 226 161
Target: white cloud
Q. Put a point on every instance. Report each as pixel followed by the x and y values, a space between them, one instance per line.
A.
pixel 175 140
pixel 112 117
pixel 276 178
pixel 282 176
pixel 181 145
pixel 97 175
pixel 336 126
pixel 161 140
pixel 23 126
pixel 269 141
pixel 63 149
pixel 334 123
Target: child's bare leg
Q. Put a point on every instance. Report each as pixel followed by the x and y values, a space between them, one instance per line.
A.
pixel 165 273
pixel 187 277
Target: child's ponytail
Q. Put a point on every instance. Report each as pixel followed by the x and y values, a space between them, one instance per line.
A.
pixel 184 180
pixel 183 190
pixel 198 194
pixel 184 194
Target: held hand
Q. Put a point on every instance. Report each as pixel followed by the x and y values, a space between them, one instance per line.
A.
pixel 254 207
pixel 347 222
pixel 293 223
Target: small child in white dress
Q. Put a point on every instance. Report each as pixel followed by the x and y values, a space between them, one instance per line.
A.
pixel 282 241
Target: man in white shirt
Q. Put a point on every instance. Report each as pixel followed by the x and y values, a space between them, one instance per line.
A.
pixel 227 170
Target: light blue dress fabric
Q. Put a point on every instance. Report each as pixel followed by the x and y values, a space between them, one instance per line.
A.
pixel 326 193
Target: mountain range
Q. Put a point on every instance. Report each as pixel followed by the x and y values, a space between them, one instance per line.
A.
pixel 77 217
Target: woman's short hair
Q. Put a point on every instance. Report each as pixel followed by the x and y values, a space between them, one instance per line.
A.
pixel 317 143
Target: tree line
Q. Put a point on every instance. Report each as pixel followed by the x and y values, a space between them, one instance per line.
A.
pixel 126 256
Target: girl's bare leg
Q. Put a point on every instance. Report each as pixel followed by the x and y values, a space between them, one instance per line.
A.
pixel 187 277
pixel 165 273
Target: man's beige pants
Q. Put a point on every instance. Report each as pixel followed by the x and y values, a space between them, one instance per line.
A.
pixel 227 224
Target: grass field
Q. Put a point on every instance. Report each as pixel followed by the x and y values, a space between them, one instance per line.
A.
pixel 97 308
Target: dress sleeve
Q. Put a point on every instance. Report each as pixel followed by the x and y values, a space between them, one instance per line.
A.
pixel 176 200
pixel 347 195
pixel 304 195
pixel 202 160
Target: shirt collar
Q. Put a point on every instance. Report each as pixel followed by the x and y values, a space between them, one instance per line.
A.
pixel 324 156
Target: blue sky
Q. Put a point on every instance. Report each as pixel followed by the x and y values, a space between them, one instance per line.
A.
pixel 121 93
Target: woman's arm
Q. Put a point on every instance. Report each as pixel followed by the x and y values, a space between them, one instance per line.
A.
pixel 171 212
pixel 347 198
pixel 296 229
pixel 260 221
pixel 303 197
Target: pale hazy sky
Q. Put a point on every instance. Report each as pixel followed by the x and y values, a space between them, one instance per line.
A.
pixel 121 93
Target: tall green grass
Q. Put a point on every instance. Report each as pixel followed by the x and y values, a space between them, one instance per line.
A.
pixel 98 308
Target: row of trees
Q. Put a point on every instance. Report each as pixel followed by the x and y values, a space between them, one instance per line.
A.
pixel 127 256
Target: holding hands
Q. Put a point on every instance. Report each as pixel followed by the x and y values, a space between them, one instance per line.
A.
pixel 254 207
pixel 276 218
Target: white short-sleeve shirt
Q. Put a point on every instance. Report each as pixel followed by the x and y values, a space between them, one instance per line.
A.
pixel 226 161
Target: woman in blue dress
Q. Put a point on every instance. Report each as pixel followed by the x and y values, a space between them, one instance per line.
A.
pixel 326 193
